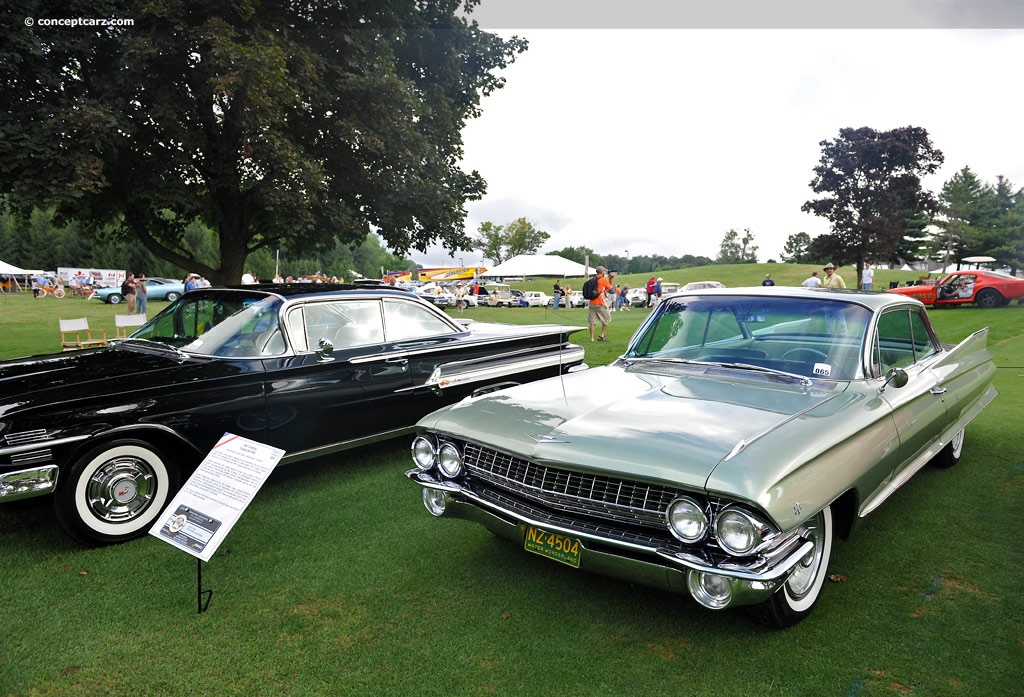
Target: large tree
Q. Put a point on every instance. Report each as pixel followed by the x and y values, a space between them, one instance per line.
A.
pixel 965 204
pixel 797 249
pixel 501 242
pixel 275 124
pixel 872 182
pixel 737 250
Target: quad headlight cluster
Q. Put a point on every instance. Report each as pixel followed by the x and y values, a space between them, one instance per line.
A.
pixel 739 532
pixel 427 454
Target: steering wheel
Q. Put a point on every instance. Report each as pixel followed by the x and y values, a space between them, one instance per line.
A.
pixel 801 351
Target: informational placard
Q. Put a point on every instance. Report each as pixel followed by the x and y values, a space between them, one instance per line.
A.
pixel 213 499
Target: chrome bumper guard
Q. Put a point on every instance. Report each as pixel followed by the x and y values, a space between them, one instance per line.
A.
pixel 667 568
pixel 24 484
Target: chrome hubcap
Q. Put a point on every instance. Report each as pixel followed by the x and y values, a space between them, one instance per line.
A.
pixel 121 489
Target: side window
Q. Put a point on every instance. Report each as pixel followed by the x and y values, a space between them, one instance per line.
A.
pixel 345 323
pixel 412 320
pixel 902 340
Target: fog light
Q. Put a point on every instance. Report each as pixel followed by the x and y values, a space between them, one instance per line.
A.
pixel 435 501
pixel 710 590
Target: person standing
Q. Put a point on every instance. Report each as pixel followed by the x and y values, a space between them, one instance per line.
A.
pixel 657 290
pixel 141 295
pixel 767 280
pixel 650 291
pixel 867 277
pixel 598 310
pixel 557 292
pixel 832 279
pixel 812 281
pixel 128 292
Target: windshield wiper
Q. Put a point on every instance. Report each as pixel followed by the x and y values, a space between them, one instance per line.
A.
pixel 150 343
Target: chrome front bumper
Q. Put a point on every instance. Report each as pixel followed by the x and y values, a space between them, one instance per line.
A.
pixel 26 483
pixel 668 569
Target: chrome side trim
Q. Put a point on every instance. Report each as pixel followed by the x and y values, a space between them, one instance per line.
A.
pixel 24 484
pixel 40 444
pixel 300 455
pixel 464 377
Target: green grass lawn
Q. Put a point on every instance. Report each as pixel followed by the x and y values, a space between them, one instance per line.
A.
pixel 337 581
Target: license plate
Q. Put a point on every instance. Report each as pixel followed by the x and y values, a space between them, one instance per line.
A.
pixel 565 550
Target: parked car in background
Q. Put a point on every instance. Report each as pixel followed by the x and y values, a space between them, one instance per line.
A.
pixel 983 288
pixel 435 294
pixel 637 296
pixel 536 298
pixel 576 299
pixel 313 369
pixel 741 433
pixel 499 295
pixel 693 285
pixel 156 289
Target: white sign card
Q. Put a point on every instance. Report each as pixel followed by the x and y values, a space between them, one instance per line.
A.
pixel 201 515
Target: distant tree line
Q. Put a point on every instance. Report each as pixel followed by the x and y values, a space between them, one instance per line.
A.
pixel 38 241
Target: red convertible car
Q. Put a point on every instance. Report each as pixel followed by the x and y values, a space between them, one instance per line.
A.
pixel 983 288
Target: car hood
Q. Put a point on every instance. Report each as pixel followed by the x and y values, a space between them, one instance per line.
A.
pixel 60 378
pixel 673 426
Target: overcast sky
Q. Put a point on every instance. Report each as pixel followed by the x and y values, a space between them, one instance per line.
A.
pixel 660 140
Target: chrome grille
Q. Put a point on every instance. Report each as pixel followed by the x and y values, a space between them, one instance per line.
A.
pixel 632 502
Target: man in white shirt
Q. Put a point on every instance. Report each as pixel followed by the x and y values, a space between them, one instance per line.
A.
pixel 812 281
pixel 867 277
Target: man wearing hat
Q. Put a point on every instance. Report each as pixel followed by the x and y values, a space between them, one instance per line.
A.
pixel 832 279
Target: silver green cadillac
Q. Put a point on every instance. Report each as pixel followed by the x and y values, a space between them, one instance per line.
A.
pixel 741 432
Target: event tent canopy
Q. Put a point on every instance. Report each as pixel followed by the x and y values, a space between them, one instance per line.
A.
pixel 12 270
pixel 538 265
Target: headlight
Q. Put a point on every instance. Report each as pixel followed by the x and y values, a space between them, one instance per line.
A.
pixel 423 453
pixel 686 519
pixel 739 532
pixel 449 460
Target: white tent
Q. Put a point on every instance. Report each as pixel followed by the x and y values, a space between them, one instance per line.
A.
pixel 538 265
pixel 11 270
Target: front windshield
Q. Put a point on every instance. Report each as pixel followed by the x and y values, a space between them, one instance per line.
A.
pixel 220 324
pixel 810 337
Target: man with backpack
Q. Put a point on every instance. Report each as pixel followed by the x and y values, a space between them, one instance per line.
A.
pixel 594 291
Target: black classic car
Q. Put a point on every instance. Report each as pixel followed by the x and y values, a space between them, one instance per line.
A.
pixel 113 432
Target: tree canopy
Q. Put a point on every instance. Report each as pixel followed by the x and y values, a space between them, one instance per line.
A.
pixel 874 198
pixel 978 219
pixel 273 124
pixel 737 250
pixel 501 242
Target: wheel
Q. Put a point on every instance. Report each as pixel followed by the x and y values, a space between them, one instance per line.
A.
pixel 172 296
pixel 59 293
pixel 801 351
pixel 114 298
pixel 989 298
pixel 950 455
pixel 795 600
pixel 114 492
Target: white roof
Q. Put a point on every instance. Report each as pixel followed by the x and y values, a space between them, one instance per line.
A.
pixel 538 265
pixel 12 270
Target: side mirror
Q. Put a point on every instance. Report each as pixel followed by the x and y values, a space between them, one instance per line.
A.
pixel 324 350
pixel 897 376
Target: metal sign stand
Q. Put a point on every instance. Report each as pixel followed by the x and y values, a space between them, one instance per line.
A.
pixel 202 592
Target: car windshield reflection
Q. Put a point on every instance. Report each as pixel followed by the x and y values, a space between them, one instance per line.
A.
pixel 814 338
pixel 226 324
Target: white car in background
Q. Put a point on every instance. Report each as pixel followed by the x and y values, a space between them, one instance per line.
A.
pixel 536 298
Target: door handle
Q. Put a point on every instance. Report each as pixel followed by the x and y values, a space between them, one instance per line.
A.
pixel 938 389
